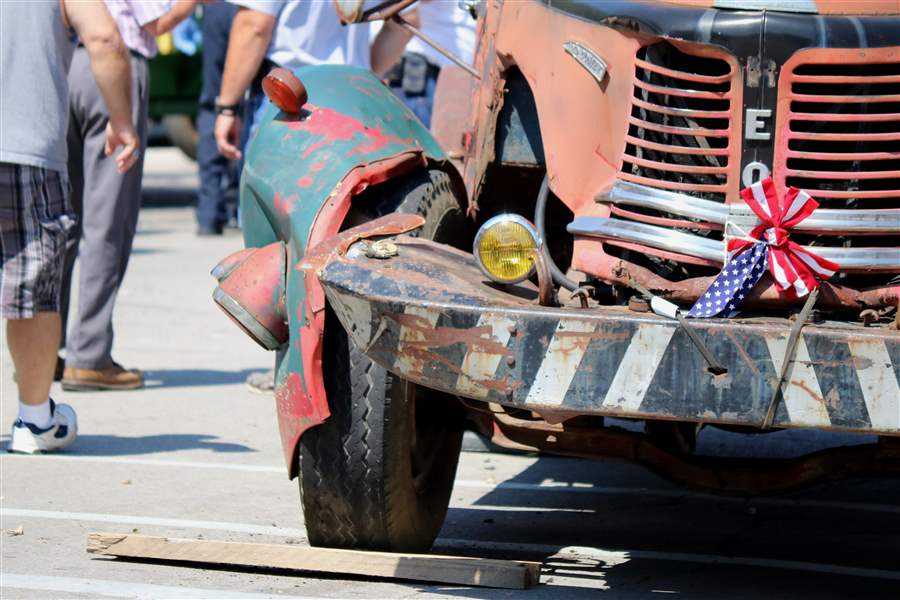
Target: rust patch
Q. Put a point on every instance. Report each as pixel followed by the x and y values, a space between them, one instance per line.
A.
pixel 423 356
pixel 477 339
pixel 392 224
pixel 857 362
pixel 812 394
pixel 741 352
pixel 595 335
pixel 418 355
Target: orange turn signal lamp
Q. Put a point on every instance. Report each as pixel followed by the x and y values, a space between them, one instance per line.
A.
pixel 285 90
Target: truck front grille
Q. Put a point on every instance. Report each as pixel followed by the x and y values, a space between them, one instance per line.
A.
pixel 841 138
pixel 680 128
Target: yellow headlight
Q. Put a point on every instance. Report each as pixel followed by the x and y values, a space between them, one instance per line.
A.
pixel 505 246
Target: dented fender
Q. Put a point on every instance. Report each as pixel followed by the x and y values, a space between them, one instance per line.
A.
pixel 299 176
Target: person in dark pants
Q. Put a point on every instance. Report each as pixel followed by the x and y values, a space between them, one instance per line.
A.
pixel 413 76
pixel 216 172
pixel 414 80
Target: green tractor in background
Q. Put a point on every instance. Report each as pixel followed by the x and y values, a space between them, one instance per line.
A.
pixel 175 82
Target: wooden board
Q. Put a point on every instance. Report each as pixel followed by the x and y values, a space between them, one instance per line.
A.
pixel 420 567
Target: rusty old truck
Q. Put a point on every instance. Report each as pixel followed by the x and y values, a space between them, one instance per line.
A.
pixel 528 267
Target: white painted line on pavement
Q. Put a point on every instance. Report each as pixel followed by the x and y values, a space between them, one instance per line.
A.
pixel 611 557
pixel 123 589
pixel 150 462
pixel 615 557
pixel 156 521
pixel 545 486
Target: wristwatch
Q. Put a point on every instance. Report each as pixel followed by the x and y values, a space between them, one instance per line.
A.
pixel 229 110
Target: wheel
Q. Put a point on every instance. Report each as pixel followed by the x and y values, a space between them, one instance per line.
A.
pixel 379 472
pixel 182 132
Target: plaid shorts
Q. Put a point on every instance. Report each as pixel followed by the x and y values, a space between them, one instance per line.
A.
pixel 36 218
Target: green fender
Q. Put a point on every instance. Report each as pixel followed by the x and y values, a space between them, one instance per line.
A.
pixel 299 175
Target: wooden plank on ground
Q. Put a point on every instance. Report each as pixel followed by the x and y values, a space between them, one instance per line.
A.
pixel 420 567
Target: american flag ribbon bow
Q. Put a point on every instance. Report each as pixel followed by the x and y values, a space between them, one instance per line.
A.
pixel 794 269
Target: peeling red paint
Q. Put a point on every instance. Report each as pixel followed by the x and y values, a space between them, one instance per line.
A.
pixel 380 142
pixel 296 412
pixel 305 403
pixel 305 181
pixel 332 126
pixel 284 204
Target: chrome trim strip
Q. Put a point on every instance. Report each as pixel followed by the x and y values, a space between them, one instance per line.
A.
pixel 832 220
pixel 850 259
pixel 649 235
pixel 795 6
pixel 826 220
pixel 633 194
pixel 853 259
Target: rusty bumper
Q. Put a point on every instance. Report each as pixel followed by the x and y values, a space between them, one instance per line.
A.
pixel 427 314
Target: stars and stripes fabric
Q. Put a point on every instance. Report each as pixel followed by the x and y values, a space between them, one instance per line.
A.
pixel 735 281
pixel 795 270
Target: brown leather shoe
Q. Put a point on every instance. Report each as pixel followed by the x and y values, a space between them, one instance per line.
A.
pixel 115 377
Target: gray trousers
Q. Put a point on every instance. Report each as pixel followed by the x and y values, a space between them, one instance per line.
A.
pixel 107 206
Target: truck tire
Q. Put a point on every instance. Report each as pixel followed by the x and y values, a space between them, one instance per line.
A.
pixel 379 472
pixel 182 133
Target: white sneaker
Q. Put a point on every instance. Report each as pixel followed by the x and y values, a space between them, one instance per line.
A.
pixel 29 439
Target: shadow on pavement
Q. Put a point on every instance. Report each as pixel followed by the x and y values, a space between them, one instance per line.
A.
pixel 602 526
pixel 147 251
pixel 168 197
pixel 113 445
pixel 195 377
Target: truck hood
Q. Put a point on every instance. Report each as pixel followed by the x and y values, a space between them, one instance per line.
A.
pixel 822 7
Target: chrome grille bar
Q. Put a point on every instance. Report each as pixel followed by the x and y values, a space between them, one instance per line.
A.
pixel 648 235
pixel 850 259
pixel 824 220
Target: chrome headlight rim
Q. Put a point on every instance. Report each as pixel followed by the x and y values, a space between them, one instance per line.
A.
pixel 507 218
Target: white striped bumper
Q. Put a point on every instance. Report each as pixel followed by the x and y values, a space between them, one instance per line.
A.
pixel 427 315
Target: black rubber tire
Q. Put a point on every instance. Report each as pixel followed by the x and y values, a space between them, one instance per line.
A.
pixel 182 133
pixel 379 472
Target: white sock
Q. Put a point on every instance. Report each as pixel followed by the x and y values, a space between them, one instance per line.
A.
pixel 38 415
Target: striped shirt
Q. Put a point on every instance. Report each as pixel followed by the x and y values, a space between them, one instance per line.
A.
pixel 131 16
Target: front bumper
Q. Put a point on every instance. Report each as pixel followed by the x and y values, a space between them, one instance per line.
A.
pixel 428 315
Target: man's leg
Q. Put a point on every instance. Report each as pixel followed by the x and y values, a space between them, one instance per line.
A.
pixel 211 217
pixel 110 209
pixel 33 343
pixel 35 220
pixel 214 169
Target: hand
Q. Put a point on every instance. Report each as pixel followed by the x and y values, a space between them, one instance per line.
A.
pixel 123 135
pixel 228 134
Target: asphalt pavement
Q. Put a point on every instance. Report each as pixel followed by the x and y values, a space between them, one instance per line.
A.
pixel 197 455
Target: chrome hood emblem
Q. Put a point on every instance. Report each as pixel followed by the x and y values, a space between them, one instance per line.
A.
pixel 587 58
